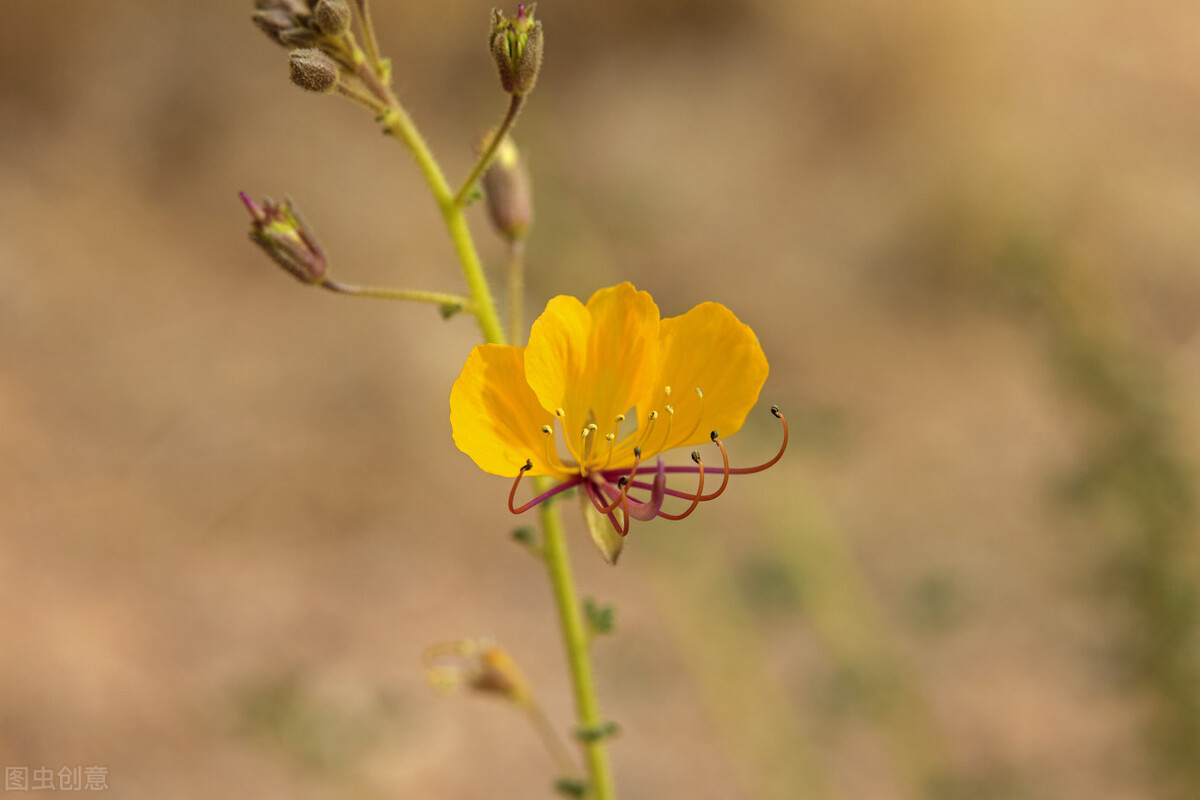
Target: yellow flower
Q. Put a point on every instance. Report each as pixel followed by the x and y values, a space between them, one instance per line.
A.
pixel 603 387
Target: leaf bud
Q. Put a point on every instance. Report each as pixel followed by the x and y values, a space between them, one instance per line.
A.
pixel 313 70
pixel 282 234
pixel 332 17
pixel 508 191
pixel 516 46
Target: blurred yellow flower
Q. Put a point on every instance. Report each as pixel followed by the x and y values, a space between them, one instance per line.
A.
pixel 616 385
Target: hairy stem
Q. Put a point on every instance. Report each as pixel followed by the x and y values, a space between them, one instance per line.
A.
pixel 389 293
pixel 514 108
pixel 575 637
pixel 397 123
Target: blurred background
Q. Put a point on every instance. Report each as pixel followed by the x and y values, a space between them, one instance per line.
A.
pixel 232 517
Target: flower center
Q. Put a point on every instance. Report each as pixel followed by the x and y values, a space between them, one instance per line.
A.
pixel 589 451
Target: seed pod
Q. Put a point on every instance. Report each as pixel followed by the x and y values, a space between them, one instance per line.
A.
pixel 509 192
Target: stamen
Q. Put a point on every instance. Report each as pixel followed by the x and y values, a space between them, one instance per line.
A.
pixel 667 391
pixel 541 498
pixel 670 424
pixel 562 415
pixel 699 491
pixel 783 446
pixel 625 482
pixel 588 439
pixel 651 418
pixel 622 528
pixel 552 452
pixel 513 493
pixel 699 416
pixel 725 461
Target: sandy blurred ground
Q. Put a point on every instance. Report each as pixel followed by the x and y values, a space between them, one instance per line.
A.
pixel 232 517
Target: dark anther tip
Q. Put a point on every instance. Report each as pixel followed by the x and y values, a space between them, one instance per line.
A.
pixel 714 435
pixel 624 479
pixel 637 452
pixel 696 456
pixel 528 465
pixel 775 410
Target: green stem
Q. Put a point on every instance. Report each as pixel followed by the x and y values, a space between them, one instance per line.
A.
pixel 554 547
pixel 389 293
pixel 397 123
pixel 368 29
pixel 587 708
pixel 514 108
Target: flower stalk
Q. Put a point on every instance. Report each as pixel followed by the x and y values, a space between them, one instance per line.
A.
pixel 329 59
pixel 575 637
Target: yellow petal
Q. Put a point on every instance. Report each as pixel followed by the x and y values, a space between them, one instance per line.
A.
pixel 708 349
pixel 556 357
pixel 496 417
pixel 594 362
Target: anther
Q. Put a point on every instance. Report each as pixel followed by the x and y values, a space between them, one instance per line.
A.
pixel 714 436
pixel 667 391
pixel 587 437
pixel 546 429
pixel 724 468
pixel 782 447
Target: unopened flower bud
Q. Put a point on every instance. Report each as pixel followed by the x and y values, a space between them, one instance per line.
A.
pixel 296 8
pixel 509 192
pixel 313 70
pixel 273 23
pixel 298 37
pixel 284 21
pixel 332 17
pixel 516 46
pixel 479 664
pixel 282 234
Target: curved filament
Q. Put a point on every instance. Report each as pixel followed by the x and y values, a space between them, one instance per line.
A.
pixel 695 498
pixel 783 446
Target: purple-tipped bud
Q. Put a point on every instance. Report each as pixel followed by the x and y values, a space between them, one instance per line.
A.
pixel 282 234
pixel 516 46
pixel 313 70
